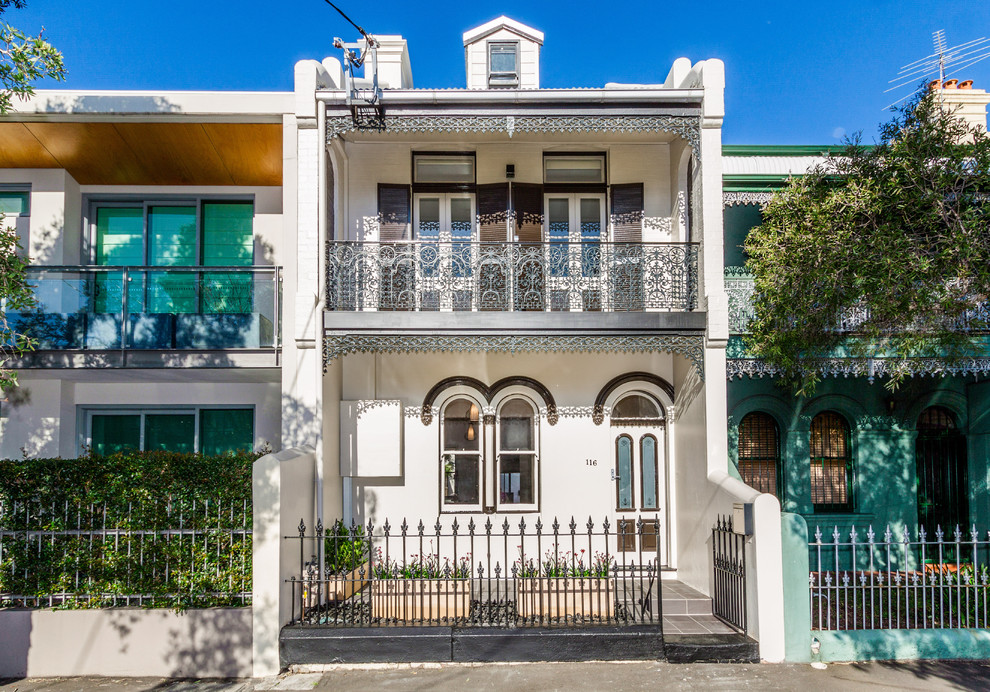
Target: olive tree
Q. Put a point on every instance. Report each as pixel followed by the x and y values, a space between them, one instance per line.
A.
pixel 880 250
pixel 24 59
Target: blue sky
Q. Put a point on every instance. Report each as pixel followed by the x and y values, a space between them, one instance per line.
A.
pixel 796 72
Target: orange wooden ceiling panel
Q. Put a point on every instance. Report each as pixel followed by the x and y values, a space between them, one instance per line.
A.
pixel 92 153
pixel 128 153
pixel 176 153
pixel 21 149
pixel 252 152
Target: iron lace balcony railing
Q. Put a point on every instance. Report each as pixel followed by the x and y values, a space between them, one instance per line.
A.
pixel 423 276
pixel 208 308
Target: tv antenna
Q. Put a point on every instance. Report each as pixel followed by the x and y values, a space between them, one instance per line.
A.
pixel 942 64
pixel 364 96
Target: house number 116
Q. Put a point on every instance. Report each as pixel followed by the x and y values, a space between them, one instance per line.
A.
pixel 591 462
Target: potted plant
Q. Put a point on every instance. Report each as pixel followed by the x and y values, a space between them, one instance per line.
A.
pixel 423 589
pixel 563 586
pixel 347 569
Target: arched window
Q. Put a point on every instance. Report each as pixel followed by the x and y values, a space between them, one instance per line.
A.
pixel 517 459
pixel 759 453
pixel 831 463
pixel 636 409
pixel 461 454
pixel 941 466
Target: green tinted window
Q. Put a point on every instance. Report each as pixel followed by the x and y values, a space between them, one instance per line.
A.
pixel 226 430
pixel 14 202
pixel 228 238
pixel 170 431
pixel 115 433
pixel 739 220
pixel 120 236
pixel 172 236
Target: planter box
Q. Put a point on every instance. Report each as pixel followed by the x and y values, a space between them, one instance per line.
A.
pixel 342 587
pixel 591 597
pixel 415 600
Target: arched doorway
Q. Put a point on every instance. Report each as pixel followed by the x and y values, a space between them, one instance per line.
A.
pixel 638 426
pixel 940 457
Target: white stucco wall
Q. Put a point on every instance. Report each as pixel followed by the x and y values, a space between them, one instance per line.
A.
pixel 43 418
pixel 208 643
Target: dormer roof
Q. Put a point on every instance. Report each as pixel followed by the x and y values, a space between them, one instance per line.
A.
pixel 500 23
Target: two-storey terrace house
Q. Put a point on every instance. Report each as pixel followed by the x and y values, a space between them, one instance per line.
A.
pixel 154 226
pixel 517 297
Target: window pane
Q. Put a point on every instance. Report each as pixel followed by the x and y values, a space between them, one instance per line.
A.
pixel 759 452
pixel 444 169
pixel 171 292
pixel 503 58
pixel 460 218
pixel 574 169
pixel 648 458
pixel 635 407
pixel 14 202
pixel 515 479
pixel 516 425
pixel 172 236
pixel 624 470
pixel 228 235
pixel 120 236
pixel 558 231
pixel 170 431
pixel 226 430
pixel 429 218
pixel 461 429
pixel 115 433
pixel 462 484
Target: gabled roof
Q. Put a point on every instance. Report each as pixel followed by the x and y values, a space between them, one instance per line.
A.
pixel 502 22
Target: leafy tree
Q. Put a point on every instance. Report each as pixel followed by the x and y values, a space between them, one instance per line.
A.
pixel 23 60
pixel 880 250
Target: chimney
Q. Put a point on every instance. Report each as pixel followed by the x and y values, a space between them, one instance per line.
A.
pixel 968 103
pixel 394 70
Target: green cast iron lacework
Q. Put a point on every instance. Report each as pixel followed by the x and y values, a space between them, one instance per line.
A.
pixel 153 529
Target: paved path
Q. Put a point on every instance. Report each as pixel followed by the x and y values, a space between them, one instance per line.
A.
pixel 546 677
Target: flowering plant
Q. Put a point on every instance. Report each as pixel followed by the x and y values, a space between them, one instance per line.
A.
pixel 569 564
pixel 422 567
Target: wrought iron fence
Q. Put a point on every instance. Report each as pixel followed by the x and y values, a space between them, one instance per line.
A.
pixel 508 575
pixel 729 571
pixel 171 554
pixel 900 580
pixel 511 277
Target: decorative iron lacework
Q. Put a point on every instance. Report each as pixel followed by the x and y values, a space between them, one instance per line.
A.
pixel 687 127
pixel 338 345
pixel 730 199
pixel 739 289
pixel 425 276
pixel 869 368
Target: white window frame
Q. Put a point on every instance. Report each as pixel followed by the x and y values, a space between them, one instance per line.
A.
pixel 445 283
pixel 503 80
pixel 481 453
pixel 535 452
pixel 575 283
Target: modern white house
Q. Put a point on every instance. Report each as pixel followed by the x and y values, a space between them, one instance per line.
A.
pixel 495 303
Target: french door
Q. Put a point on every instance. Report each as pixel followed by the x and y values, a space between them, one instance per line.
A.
pixel 574 231
pixel 444 230
pixel 640 485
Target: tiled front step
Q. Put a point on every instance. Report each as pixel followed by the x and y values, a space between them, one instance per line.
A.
pixel 710 648
pixel 681 599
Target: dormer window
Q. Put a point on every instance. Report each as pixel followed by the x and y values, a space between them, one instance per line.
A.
pixel 503 64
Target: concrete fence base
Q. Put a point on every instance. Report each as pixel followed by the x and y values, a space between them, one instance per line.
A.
pixel 212 642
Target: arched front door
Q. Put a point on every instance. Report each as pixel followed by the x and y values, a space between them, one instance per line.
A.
pixel 940 455
pixel 639 471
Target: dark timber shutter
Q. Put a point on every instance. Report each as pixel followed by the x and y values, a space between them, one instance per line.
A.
pixel 394 213
pixel 527 202
pixel 627 213
pixel 493 213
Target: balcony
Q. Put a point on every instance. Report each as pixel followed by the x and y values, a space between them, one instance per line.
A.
pixel 86 309
pixel 463 276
